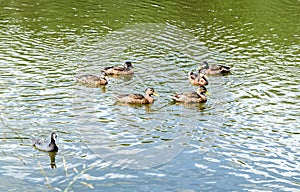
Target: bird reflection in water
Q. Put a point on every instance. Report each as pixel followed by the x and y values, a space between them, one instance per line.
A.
pixel 52 159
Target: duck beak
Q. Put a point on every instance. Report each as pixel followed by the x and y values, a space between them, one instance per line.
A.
pixel 207 93
pixel 155 94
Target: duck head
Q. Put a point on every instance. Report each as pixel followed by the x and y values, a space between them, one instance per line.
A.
pixel 202 89
pixel 128 65
pixel 203 79
pixel 103 75
pixel 150 92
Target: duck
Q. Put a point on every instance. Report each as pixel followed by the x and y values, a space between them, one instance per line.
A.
pixel 213 69
pixel 197 79
pixel 47 147
pixel 191 97
pixel 93 80
pixel 138 98
pixel 119 70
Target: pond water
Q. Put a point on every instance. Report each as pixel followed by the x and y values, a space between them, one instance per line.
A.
pixel 244 138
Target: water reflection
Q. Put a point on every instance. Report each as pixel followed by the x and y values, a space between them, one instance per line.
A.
pixel 102 88
pixel 146 107
pixel 195 106
pixel 122 77
pixel 52 159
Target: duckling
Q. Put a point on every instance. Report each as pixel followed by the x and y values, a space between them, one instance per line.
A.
pixel 196 79
pixel 48 147
pixel 92 80
pixel 191 97
pixel 138 98
pixel 213 69
pixel 119 70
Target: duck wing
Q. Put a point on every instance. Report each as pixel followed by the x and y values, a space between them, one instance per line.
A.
pixel 119 68
pixel 225 67
pixel 87 78
pixel 176 97
pixel 106 68
pixel 132 96
pixel 137 96
pixel 215 67
pixel 219 68
pixel 191 94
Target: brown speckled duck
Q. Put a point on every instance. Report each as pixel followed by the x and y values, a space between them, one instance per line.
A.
pixel 196 79
pixel 191 97
pixel 119 70
pixel 213 69
pixel 92 80
pixel 138 98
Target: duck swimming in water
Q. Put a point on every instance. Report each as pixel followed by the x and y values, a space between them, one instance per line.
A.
pixel 197 79
pixel 138 98
pixel 119 70
pixel 191 97
pixel 92 80
pixel 45 146
pixel 213 69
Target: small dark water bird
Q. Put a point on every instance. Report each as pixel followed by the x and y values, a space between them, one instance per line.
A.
pixel 92 80
pixel 197 79
pixel 138 98
pixel 119 70
pixel 192 97
pixel 213 69
pixel 47 146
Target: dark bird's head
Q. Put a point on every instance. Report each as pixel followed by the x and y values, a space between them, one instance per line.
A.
pixel 202 89
pixel 128 65
pixel 53 137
